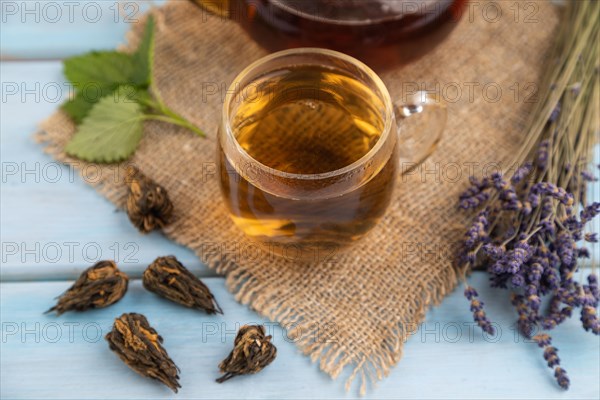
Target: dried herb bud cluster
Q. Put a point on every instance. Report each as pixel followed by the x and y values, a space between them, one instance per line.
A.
pixel 140 347
pixel 168 278
pixel 148 204
pixel 138 344
pixel 98 286
pixel 252 352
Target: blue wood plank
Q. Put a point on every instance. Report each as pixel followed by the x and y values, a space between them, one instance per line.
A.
pixel 53 224
pixel 58 29
pixel 445 359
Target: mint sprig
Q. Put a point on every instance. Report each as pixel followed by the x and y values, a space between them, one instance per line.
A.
pixel 111 131
pixel 115 94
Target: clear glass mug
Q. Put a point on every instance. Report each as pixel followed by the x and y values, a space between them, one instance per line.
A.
pixel 309 148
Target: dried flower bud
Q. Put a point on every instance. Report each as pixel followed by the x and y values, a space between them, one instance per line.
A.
pixel 561 377
pixel 251 353
pixel 148 204
pixel 140 347
pixel 98 286
pixel 168 278
pixel 479 315
pixel 542 340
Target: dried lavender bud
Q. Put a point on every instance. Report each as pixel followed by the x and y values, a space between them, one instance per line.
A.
pixel 561 377
pixel 589 300
pixel 551 357
pixel 547 208
pixel 508 195
pixel 517 257
pixel 590 212
pixel 531 290
pixel 524 323
pixel 494 252
pixel 583 252
pixel 521 173
pixel 535 272
pixel 549 189
pixel 590 320
pixel 477 233
pixel 477 308
pixel 592 287
pixel 252 352
pixel 476 194
pixel 517 280
pixel 542 154
pixel 547 226
pixel 554 319
pixel 148 204
pixel 98 286
pixel 542 340
pixel 588 176
pixel 568 297
pixel 566 245
pixel 168 278
pixel 552 279
pixel 140 347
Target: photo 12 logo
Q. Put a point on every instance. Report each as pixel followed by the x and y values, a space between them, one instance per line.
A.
pixel 54 12
pixel 51 332
pixel 68 252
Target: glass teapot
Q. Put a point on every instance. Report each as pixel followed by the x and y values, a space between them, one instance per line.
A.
pixel 381 33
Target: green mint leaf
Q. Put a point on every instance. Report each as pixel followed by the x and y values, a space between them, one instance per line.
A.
pixel 79 106
pixel 111 132
pixel 143 58
pixel 99 68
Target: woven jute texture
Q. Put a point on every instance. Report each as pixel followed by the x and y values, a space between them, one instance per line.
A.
pixel 355 312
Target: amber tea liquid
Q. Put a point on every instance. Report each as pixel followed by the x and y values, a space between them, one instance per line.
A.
pixel 302 121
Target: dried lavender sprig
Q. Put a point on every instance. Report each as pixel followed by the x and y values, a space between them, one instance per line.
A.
pixel 476 194
pixel 550 355
pixel 591 237
pixel 477 233
pixel 590 320
pixel 589 299
pixel 542 211
pixel 477 308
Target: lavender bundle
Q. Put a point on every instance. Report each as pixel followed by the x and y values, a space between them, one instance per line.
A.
pixel 531 223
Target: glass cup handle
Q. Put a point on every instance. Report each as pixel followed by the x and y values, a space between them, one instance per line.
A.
pixel 421 121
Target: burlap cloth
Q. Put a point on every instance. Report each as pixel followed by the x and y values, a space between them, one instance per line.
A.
pixel 359 310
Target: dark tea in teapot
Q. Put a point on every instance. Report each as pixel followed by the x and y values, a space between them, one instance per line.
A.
pixel 380 32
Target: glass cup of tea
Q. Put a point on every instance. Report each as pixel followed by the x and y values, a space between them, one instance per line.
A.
pixel 309 148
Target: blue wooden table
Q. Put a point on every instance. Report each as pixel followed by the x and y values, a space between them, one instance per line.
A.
pixel 53 226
